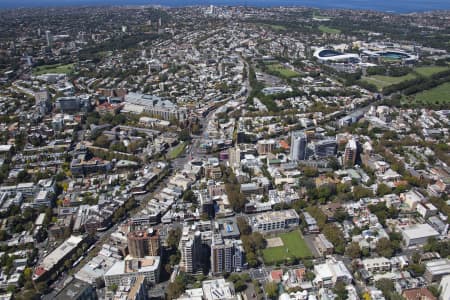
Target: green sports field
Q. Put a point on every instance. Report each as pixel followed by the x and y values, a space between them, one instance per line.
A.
pixel 283 71
pixel 294 247
pixel 381 81
pixel 49 69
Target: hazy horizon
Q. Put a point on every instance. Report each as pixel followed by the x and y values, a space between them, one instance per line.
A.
pixel 399 6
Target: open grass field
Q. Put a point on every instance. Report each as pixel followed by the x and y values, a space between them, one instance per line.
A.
pixel 284 72
pixel 277 27
pixel 437 95
pixel 294 246
pixel 273 26
pixel 428 71
pixel 59 69
pixel 326 29
pixel 381 81
pixel 176 151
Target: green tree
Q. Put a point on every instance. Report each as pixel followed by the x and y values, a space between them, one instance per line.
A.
pixel 240 286
pixel 102 141
pixel 340 291
pixel 353 250
pixel 386 286
pixel 383 189
pixel 244 227
pixel 173 238
pixel 189 196
pixel 184 135
pixel 113 287
pixel 271 289
pixel 384 247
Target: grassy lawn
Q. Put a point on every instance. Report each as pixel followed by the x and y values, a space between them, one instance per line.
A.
pixel 284 72
pixel 439 94
pixel 59 69
pixel 176 151
pixel 273 26
pixel 326 29
pixel 294 246
pixel 383 81
pixel 278 27
pixel 430 70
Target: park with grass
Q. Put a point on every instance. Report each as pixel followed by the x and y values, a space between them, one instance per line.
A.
pixel 428 71
pixel 282 71
pixel 53 69
pixel 286 246
pixel 330 30
pixel 382 81
pixel 437 95
pixel 176 151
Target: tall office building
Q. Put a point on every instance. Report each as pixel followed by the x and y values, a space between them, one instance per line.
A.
pixel 49 37
pixel 226 255
pixel 298 145
pixel 325 148
pixel 351 151
pixel 143 243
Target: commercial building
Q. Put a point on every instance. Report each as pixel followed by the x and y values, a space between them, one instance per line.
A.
pixel 154 105
pixel 73 104
pixel 81 165
pixel 418 234
pixel 444 286
pixel 143 243
pixel 436 269
pixel 76 290
pixel 298 145
pixel 324 148
pixel 330 272
pixel 131 268
pixel 227 227
pixel 55 259
pixel 218 289
pixel 274 221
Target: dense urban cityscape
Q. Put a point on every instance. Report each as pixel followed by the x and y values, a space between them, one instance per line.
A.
pixel 224 152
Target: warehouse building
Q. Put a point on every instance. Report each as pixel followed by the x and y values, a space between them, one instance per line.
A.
pixel 418 234
pixel 436 269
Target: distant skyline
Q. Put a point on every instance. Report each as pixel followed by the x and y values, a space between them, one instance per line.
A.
pixel 398 6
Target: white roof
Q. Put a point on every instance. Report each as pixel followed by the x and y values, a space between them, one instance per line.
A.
pixel 323 271
pixel 5 148
pixel 418 231
pixel 59 253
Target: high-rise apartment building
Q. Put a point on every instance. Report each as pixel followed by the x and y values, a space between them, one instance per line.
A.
pixel 298 145
pixel 351 151
pixel 190 247
pixel 143 243
pixel 226 255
